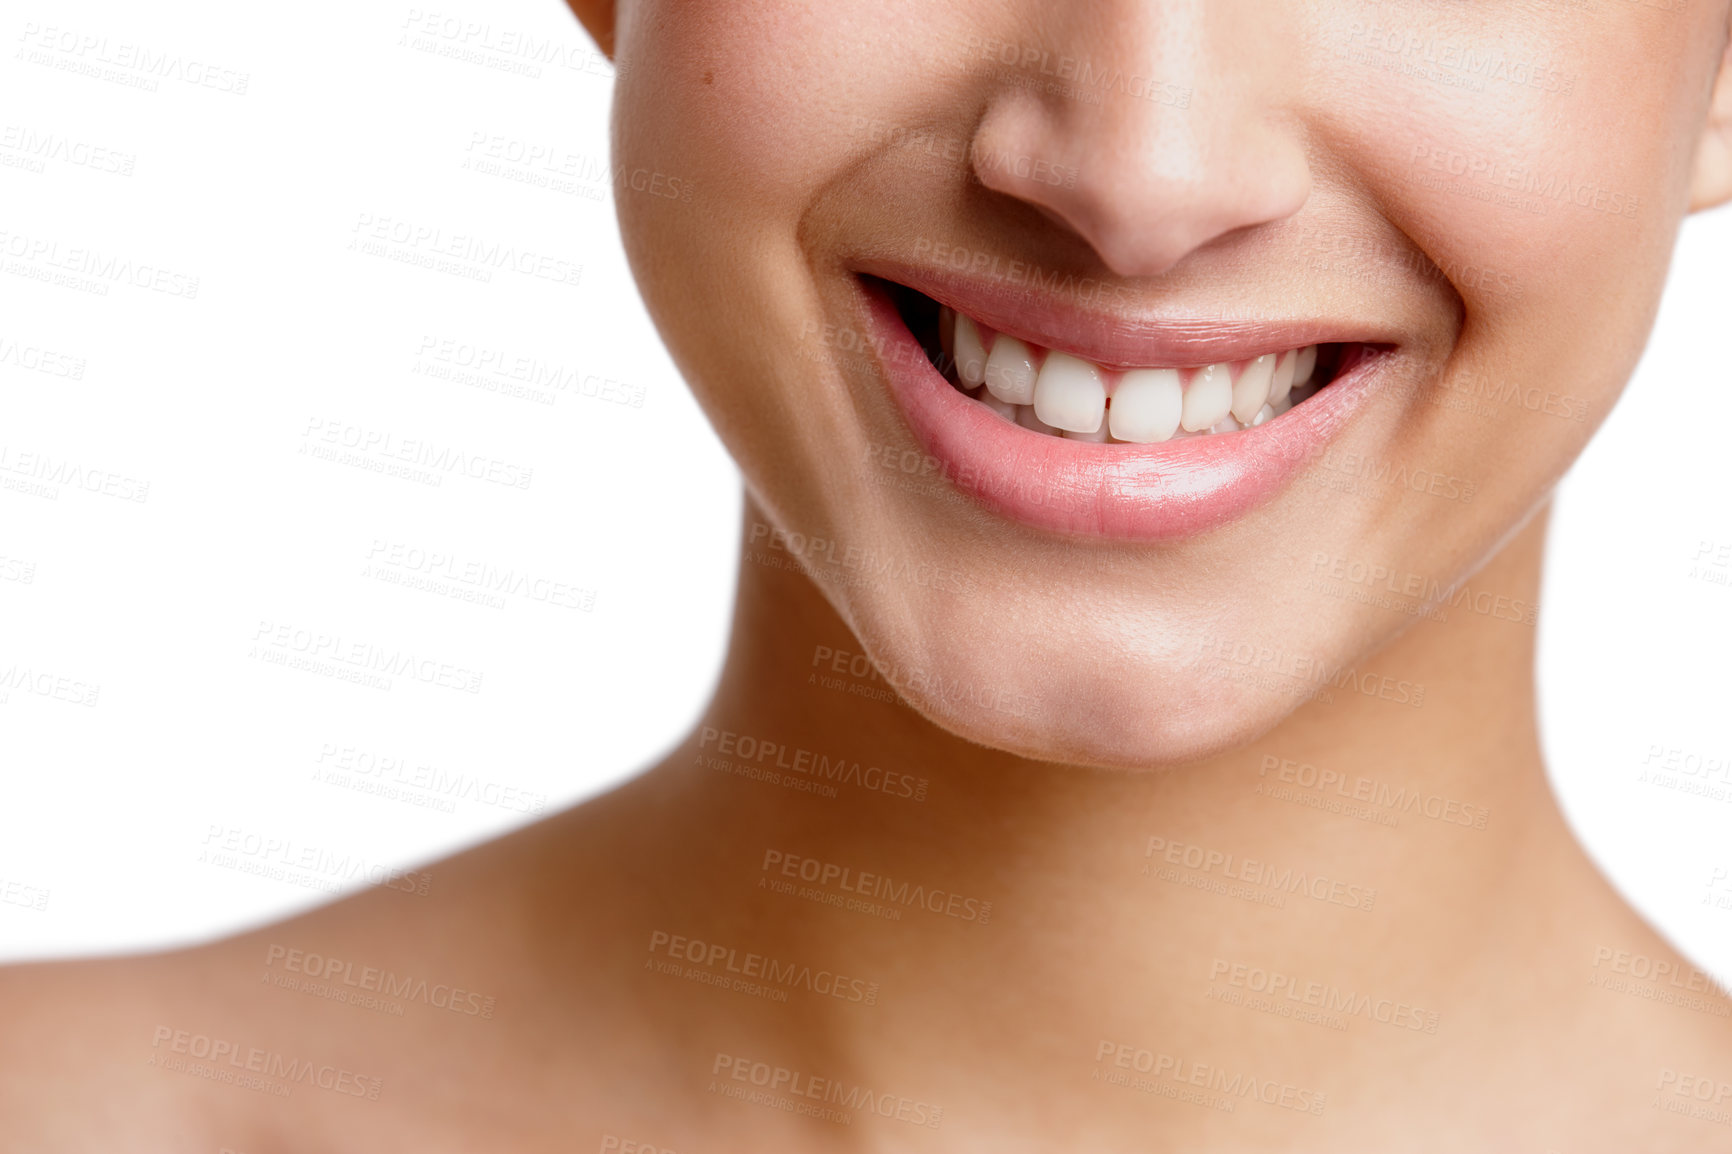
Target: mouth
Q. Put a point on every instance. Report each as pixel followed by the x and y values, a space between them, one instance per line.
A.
pixel 1083 422
pixel 1063 394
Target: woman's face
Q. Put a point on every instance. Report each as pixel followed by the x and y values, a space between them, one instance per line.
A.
pixel 1466 208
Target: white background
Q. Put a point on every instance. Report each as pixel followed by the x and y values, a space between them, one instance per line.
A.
pixel 357 113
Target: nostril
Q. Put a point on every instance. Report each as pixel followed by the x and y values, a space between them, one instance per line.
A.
pixel 1143 184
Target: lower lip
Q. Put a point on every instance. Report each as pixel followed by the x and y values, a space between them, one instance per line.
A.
pixel 1158 492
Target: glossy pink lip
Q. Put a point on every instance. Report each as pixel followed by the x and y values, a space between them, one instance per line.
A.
pixel 1159 492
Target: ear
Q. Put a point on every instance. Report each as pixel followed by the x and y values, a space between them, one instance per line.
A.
pixel 596 16
pixel 1711 182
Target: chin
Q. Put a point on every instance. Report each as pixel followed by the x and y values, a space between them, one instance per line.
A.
pixel 1149 700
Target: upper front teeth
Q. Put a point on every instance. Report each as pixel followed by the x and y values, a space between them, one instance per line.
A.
pixel 1146 406
pixel 1070 394
pixel 1062 394
pixel 1209 398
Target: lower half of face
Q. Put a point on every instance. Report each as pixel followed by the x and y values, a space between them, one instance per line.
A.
pixel 1124 364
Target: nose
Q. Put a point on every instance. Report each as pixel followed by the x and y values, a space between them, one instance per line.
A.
pixel 1149 128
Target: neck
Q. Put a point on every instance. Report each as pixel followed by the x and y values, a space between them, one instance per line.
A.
pixel 1367 844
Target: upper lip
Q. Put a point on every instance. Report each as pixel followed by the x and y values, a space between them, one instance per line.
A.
pixel 1123 333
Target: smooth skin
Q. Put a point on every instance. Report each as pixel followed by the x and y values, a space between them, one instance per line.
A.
pixel 1074 708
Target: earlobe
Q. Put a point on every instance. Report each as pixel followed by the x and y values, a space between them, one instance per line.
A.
pixel 596 16
pixel 1711 181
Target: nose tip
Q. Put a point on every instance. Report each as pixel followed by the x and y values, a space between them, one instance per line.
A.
pixel 1145 182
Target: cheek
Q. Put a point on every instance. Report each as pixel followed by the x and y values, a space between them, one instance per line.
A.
pixel 760 109
pixel 764 102
pixel 1541 169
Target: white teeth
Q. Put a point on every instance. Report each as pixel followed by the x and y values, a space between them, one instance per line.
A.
pixel 1282 382
pixel 970 353
pixel 1209 398
pixel 1063 395
pixel 1069 394
pixel 1146 405
pixel 1026 418
pixel 1010 371
pixel 1251 390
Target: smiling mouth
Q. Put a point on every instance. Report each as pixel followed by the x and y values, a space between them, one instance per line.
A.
pixel 1140 424
pixel 1062 394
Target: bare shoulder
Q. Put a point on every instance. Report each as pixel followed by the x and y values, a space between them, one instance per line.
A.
pixel 444 1013
pixel 76 1061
